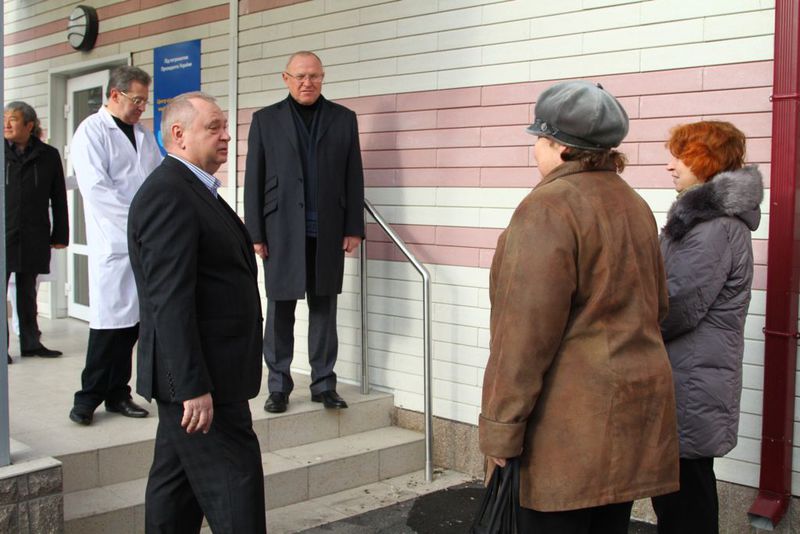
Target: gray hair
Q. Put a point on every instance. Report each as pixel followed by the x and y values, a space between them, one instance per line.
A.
pixel 122 77
pixel 301 53
pixel 28 115
pixel 180 110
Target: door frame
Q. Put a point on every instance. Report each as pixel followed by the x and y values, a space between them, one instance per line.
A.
pixel 57 136
pixel 75 84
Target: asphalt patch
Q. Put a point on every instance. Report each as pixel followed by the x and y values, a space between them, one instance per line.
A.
pixel 448 511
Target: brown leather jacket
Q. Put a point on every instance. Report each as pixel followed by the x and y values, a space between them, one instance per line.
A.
pixel 578 383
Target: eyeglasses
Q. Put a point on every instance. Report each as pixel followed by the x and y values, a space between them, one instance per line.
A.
pixel 313 78
pixel 136 100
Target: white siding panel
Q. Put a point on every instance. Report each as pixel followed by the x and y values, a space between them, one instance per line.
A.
pixel 526 9
pixel 466 276
pixel 461 354
pixel 736 471
pixel 439 21
pixel 456 411
pixel 398 84
pixel 566 45
pixel 434 61
pixel 456 392
pixel 451 333
pixel 461 315
pixel 396 325
pixel 459 374
pixel 746 450
pixel 403 46
pixel 739 25
pixel 397 10
pixel 665 10
pixel 585 65
pixel 585 21
pixel 709 53
pixel 361 34
pixel 301 11
pixel 485 35
pixel 656 35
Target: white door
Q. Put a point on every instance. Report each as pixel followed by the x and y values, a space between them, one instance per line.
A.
pixel 85 95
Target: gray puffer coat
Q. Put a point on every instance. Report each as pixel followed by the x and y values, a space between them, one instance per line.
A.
pixel 708 257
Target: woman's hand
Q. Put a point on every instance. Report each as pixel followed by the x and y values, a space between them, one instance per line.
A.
pixel 501 462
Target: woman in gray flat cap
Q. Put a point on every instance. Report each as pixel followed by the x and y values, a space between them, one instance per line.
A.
pixel 578 384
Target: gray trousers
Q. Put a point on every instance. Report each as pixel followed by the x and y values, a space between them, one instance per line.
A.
pixel 323 343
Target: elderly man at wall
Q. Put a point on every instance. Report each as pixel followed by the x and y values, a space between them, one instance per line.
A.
pixel 200 347
pixel 578 383
pixel 304 208
pixel 34 186
pixel 112 155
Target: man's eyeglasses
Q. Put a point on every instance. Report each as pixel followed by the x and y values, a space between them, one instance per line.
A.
pixel 313 78
pixel 136 100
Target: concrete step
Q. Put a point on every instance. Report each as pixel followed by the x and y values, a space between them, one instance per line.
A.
pixel 291 475
pixel 305 422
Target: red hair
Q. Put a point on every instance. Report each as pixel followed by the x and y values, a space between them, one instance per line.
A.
pixel 708 147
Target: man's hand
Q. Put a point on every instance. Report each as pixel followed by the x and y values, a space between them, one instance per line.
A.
pixel 58 245
pixel 350 243
pixel 261 250
pixel 197 414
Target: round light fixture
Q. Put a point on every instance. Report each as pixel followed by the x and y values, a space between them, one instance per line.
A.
pixel 82 28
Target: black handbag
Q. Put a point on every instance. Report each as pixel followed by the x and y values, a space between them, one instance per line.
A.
pixel 498 511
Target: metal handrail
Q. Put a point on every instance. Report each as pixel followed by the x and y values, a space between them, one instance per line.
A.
pixel 426 330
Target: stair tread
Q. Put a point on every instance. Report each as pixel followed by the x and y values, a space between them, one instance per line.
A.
pixel 94 501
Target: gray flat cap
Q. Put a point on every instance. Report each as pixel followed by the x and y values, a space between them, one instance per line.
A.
pixel 581 115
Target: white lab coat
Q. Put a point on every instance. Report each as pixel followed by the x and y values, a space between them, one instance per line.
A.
pixel 109 172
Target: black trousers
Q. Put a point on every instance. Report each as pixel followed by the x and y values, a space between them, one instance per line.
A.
pixel 695 507
pixel 217 475
pixel 108 366
pixel 26 310
pixel 323 341
pixel 608 519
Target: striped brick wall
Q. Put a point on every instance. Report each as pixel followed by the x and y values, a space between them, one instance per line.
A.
pixel 443 91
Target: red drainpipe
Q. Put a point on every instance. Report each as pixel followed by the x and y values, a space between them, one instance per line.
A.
pixel 783 276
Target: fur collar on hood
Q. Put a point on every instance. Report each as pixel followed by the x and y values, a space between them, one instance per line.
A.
pixel 733 194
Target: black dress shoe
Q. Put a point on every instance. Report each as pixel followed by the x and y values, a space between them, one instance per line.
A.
pixel 127 408
pixel 81 415
pixel 42 352
pixel 10 361
pixel 329 399
pixel 276 402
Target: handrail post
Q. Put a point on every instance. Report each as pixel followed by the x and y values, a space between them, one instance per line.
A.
pixel 364 320
pixel 427 359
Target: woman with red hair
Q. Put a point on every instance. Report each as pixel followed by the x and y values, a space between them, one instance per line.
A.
pixel 708 258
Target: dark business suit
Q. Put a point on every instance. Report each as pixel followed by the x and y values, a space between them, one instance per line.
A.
pixel 277 181
pixel 200 332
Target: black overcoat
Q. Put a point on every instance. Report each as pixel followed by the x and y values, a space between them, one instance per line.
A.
pixel 274 196
pixel 34 183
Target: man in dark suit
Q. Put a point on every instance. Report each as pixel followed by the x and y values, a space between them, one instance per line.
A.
pixel 200 332
pixel 304 208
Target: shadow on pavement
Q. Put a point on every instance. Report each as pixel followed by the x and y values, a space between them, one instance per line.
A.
pixel 449 511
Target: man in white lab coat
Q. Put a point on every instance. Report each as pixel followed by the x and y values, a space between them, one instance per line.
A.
pixel 112 154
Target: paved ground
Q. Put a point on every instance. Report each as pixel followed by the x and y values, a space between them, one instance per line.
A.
pixel 449 511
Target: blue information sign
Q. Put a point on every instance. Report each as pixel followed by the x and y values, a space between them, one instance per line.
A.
pixel 177 70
